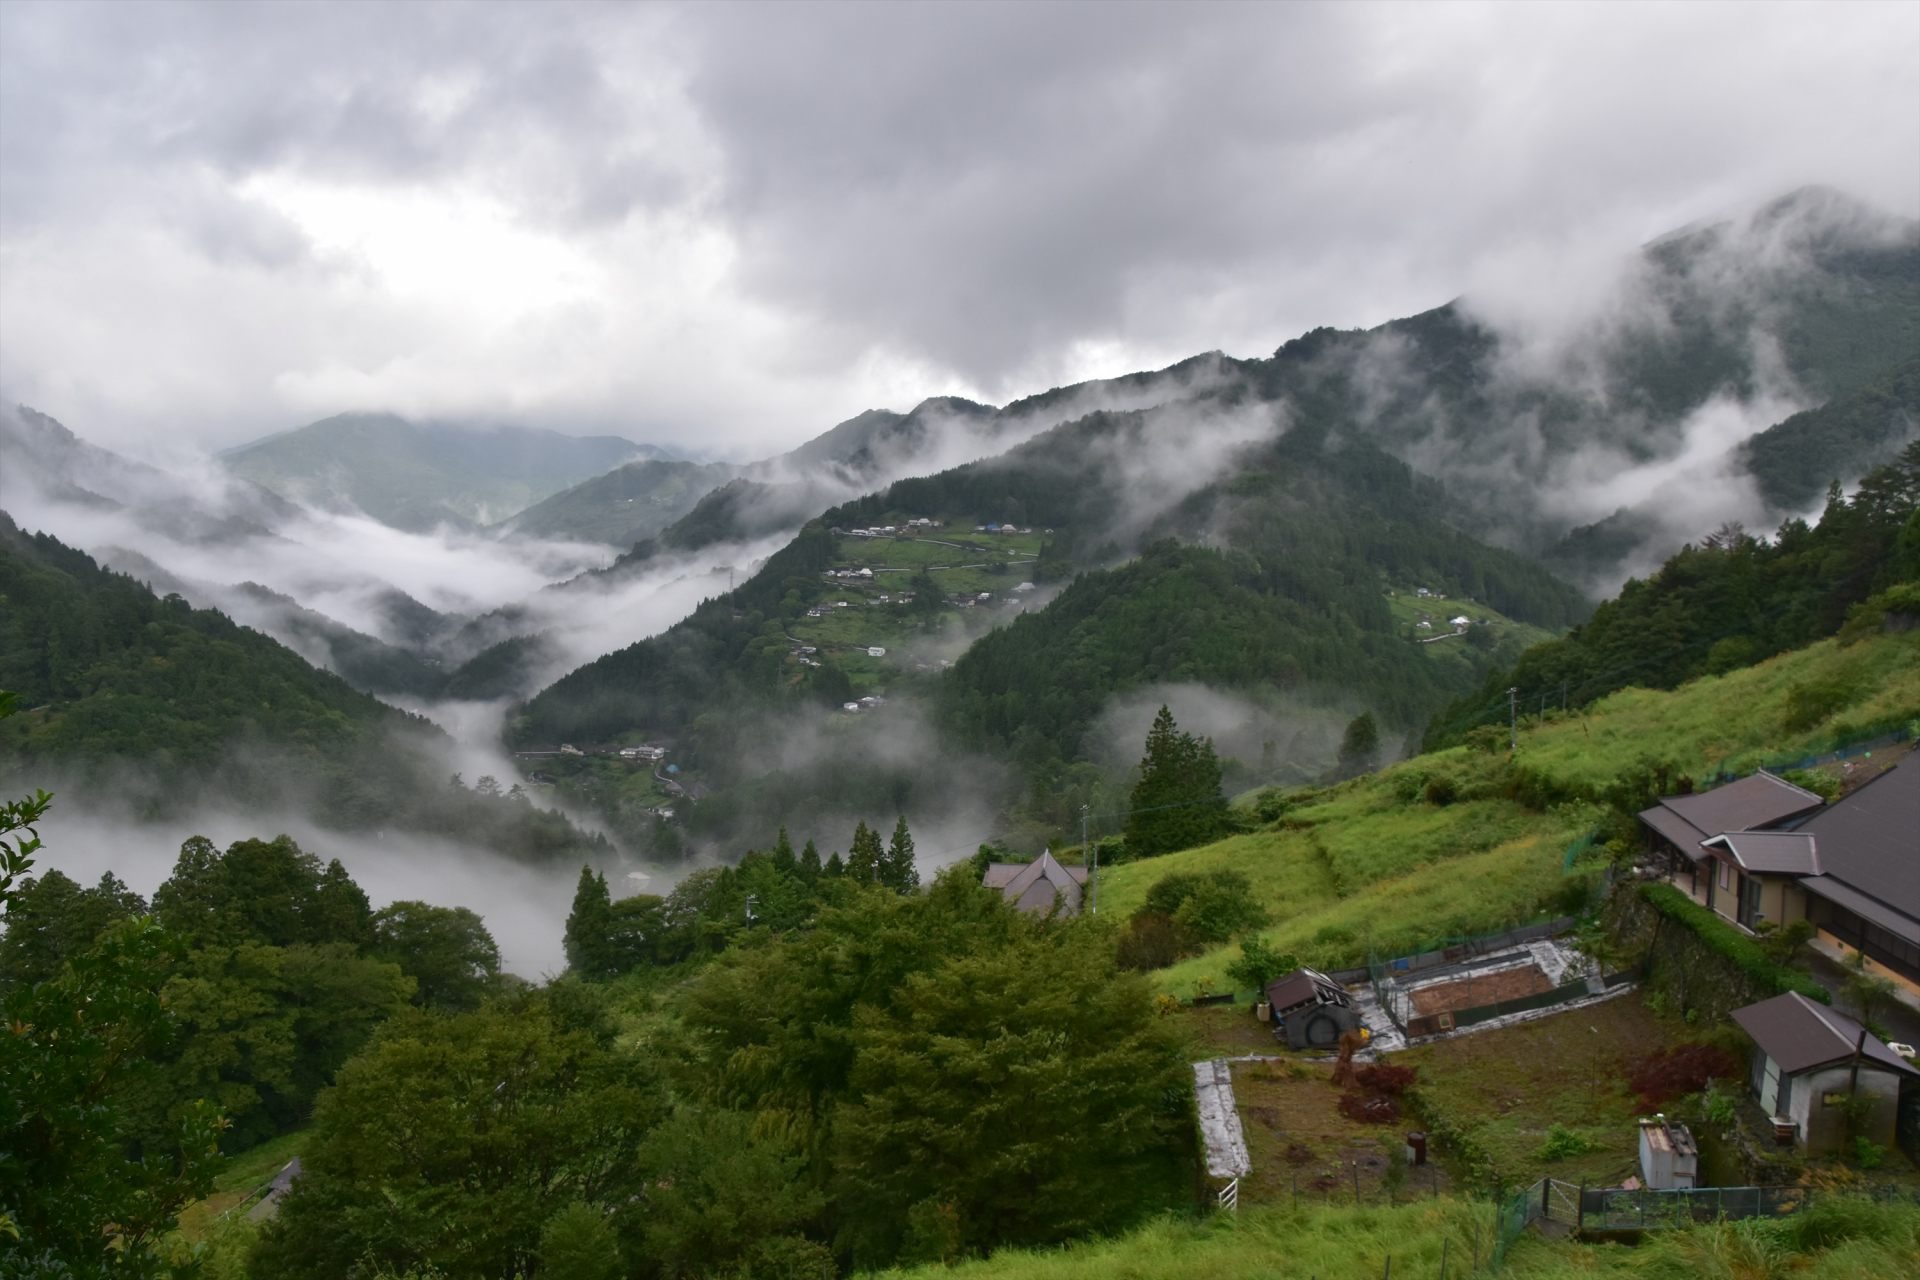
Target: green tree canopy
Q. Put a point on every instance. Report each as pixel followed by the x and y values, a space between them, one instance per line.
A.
pixel 1177 802
pixel 447 951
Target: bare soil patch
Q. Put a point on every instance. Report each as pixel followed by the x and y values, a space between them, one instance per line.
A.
pixel 1485 988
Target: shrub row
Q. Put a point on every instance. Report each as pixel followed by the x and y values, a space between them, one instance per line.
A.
pixel 1731 945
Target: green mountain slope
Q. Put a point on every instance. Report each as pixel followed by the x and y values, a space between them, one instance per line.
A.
pixel 631 502
pixel 417 475
pixel 1723 604
pixel 148 703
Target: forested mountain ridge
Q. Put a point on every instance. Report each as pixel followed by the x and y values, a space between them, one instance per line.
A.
pixel 157 706
pixel 415 476
pixel 620 507
pixel 1728 602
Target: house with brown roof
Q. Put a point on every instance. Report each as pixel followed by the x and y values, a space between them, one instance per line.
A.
pixel 1043 885
pixel 1804 1070
pixel 1723 848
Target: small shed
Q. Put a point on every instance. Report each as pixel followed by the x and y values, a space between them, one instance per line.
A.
pixel 1310 1009
pixel 1803 1072
pixel 1668 1156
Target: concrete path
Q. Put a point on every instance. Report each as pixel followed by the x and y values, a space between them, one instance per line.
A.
pixel 1220 1119
pixel 282 1182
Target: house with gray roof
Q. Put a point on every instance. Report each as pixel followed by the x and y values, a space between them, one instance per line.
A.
pixel 1865 894
pixel 1043 885
pixel 1725 847
pixel 1804 1070
pixel 1851 868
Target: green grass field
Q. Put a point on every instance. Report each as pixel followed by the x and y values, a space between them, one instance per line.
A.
pixel 243 1174
pixel 1843 1239
pixel 1373 863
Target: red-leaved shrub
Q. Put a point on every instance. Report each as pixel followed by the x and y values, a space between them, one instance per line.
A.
pixel 1378 1077
pixel 1659 1078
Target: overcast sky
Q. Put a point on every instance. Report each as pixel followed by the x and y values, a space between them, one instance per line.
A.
pixel 730 227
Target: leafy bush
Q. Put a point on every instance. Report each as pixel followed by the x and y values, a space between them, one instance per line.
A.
pixel 1209 906
pixel 1868 1154
pixel 1815 700
pixel 1563 1143
pixel 1441 790
pixel 1149 941
pixel 1736 948
pixel 1258 965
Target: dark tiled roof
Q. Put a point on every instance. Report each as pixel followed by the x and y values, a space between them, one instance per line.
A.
pixel 1871 838
pixel 1801 1035
pixel 1789 853
pixel 1750 804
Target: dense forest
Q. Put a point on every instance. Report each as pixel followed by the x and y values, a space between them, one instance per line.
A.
pixel 161 706
pixel 1728 602
pixel 945 1075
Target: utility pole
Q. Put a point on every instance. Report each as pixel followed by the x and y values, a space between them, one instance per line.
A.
pixel 1513 720
pixel 1091 857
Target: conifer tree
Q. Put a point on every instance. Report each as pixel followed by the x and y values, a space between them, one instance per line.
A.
pixel 783 859
pixel 865 855
pixel 1359 747
pixel 810 869
pixel 835 868
pixel 897 870
pixel 589 925
pixel 1177 803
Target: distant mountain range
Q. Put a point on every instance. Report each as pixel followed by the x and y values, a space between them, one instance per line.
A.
pixel 1734 370
pixel 416 476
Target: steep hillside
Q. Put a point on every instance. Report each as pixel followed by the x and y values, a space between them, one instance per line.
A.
pixel 631 502
pixel 1727 602
pixel 1480 841
pixel 156 706
pixel 417 475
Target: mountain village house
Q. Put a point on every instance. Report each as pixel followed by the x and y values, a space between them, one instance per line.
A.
pixel 1762 849
pixel 1804 1072
pixel 1043 885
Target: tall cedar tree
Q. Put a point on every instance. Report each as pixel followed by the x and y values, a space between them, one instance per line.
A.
pixel 810 869
pixel 589 925
pixel 897 871
pixel 1359 747
pixel 1177 803
pixel 865 856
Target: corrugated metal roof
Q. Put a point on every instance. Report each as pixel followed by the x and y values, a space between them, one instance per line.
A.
pixel 1791 853
pixel 1750 804
pixel 1871 838
pixel 1801 1035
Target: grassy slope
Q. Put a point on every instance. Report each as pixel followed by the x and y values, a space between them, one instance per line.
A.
pixel 1353 1244
pixel 1371 861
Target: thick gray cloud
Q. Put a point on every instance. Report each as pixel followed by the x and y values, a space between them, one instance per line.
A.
pixel 730 226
